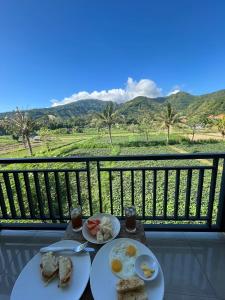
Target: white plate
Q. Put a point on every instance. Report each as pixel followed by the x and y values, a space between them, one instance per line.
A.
pixel 115 225
pixel 102 277
pixel 29 284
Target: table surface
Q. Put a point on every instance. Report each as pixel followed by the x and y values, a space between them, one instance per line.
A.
pixel 139 235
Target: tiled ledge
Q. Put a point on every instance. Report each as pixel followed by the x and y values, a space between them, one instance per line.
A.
pixel 193 263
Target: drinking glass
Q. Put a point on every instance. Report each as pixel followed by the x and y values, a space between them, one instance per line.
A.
pixel 130 219
pixel 76 218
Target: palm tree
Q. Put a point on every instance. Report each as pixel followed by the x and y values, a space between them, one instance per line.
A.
pixel 109 117
pixel 168 118
pixel 20 124
pixel 221 126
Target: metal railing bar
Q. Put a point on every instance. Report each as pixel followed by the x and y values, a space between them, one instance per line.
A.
pixel 42 170
pixel 188 194
pixel 132 187
pixel 165 194
pixel 48 194
pixel 58 195
pixel 68 193
pixel 169 168
pixel 178 156
pixel 89 187
pixel 99 187
pixel 29 195
pixel 199 193
pixel 143 194
pixel 121 191
pixel 9 194
pixel 154 192
pixel 78 188
pixel 111 191
pixel 39 197
pixel 19 194
pixel 2 204
pixel 212 189
pixel 176 196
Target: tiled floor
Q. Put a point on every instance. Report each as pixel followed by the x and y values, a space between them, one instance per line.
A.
pixel 193 263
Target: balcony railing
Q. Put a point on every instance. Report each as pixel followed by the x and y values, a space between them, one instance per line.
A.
pixel 170 191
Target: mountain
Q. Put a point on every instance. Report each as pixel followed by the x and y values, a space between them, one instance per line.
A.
pixel 187 104
pixel 181 100
pixel 131 109
pixel 78 108
pixel 213 103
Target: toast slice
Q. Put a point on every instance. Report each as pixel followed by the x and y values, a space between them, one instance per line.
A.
pixel 129 285
pixel 133 295
pixel 49 267
pixel 65 270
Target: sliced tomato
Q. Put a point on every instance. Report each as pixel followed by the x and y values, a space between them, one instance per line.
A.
pixel 91 226
pixel 94 231
pixel 92 221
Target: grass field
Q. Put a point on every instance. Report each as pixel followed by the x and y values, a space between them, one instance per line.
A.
pixel 90 143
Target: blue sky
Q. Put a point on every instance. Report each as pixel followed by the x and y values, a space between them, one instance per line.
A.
pixel 56 49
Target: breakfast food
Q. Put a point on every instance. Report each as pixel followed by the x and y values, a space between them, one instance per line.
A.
pixel 147 272
pixel 65 270
pixel 131 289
pixel 49 266
pixel 101 229
pixel 52 267
pixel 122 259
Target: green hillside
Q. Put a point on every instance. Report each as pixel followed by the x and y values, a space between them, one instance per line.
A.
pixel 187 104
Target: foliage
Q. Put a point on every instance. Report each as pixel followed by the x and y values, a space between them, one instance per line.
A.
pixel 109 117
pixel 221 126
pixel 168 118
pixel 20 124
pixel 145 123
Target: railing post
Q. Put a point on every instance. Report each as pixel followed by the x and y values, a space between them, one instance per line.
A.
pixel 212 191
pixel 220 222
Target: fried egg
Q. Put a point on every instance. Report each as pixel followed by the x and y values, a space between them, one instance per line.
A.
pixel 122 259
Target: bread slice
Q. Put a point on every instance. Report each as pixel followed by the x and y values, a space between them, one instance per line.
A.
pixel 65 270
pixel 133 295
pixel 49 266
pixel 129 285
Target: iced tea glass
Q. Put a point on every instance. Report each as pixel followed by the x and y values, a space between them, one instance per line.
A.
pixel 76 218
pixel 130 219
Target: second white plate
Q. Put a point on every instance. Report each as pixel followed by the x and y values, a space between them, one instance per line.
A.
pixel 115 225
pixel 101 275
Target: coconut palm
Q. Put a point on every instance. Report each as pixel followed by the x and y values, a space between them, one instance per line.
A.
pixel 20 124
pixel 109 117
pixel 168 118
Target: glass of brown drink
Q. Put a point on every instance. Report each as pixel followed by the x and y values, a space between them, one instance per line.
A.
pixel 76 218
pixel 130 219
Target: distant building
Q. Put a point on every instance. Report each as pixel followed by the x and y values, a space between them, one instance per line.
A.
pixel 36 138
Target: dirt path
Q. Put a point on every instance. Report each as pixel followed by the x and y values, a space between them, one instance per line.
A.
pixel 179 150
pixel 205 136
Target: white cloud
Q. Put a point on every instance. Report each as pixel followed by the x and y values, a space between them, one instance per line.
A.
pixel 176 89
pixel 143 87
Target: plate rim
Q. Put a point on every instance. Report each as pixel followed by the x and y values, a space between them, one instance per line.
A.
pixel 104 242
pixel 129 239
pixel 38 253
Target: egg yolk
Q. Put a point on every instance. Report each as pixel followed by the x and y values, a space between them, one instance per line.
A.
pixel 116 265
pixel 131 250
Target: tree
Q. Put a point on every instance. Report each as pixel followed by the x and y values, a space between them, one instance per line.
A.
pixel 221 126
pixel 145 123
pixel 194 123
pixel 45 135
pixel 168 118
pixel 108 118
pixel 20 124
